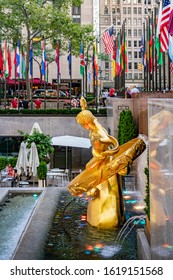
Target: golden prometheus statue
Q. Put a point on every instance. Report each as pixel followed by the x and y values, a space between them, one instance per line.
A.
pixel 101 177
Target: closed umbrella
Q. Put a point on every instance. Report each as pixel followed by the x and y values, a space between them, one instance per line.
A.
pixel 33 162
pixel 22 160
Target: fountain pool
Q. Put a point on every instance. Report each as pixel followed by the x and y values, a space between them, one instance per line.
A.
pixel 15 211
pixel 72 238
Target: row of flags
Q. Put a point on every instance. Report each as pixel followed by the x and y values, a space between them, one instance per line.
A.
pixel 158 36
pixel 116 46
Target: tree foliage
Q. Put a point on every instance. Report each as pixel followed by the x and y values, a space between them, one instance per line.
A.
pixel 26 20
pixel 126 127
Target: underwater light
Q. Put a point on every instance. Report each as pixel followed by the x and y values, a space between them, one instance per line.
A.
pixel 127 196
pixel 110 251
pixel 133 201
pixel 141 222
pixel 35 195
pixel 83 217
pixel 139 207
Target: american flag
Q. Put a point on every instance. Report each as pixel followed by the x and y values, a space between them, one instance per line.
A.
pixel 108 40
pixel 164 25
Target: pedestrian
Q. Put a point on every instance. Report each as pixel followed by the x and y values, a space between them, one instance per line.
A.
pixel 74 102
pixel 20 104
pixel 14 103
pixel 104 97
pixel 25 103
pixel 37 103
pixel 134 91
pixel 112 92
pixel 128 93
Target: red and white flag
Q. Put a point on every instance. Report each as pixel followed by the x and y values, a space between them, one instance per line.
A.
pixel 171 67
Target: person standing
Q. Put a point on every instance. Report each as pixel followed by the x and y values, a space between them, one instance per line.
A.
pixel 37 103
pixel 14 103
pixel 25 103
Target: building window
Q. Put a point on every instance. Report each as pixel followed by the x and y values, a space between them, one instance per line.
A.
pixel 113 11
pixel 135 43
pixel 135 10
pixel 140 76
pixel 139 1
pixel 129 32
pixel 77 19
pixel 140 32
pixel 139 11
pixel 135 32
pixel 140 54
pixel 129 65
pixel 107 76
pixel 106 65
pixel 76 10
pixel 135 65
pixel 124 10
pixel 105 10
pixel 135 54
pixel 135 21
pixel 129 21
pixel 135 76
pixel 130 76
pixel 129 10
pixel 140 21
pixel 129 54
pixel 129 43
pixel 118 10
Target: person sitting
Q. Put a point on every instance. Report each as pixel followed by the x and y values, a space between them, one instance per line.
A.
pixel 74 102
pixel 10 170
pixel 112 92
pixel 14 103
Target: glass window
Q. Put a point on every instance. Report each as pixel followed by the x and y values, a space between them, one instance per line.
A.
pixel 129 32
pixel 106 65
pixel 135 44
pixel 135 21
pixel 135 10
pixel 129 65
pixel 77 19
pixel 105 10
pixel 140 54
pixel 135 65
pixel 135 32
pixel 129 10
pixel 130 76
pixel 140 76
pixel 129 21
pixel 124 10
pixel 136 76
pixel 139 21
pixel 76 10
pixel 129 43
pixel 140 32
pixel 139 11
pixel 107 76
pixel 129 54
pixel 135 54
pixel 118 10
pixel 113 11
pixel 139 1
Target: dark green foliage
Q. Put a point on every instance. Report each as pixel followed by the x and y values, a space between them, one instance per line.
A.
pixel 147 190
pixel 42 170
pixel 3 163
pixel 126 127
pixel 12 161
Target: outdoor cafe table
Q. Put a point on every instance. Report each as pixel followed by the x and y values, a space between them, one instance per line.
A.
pixel 56 170
pixel 56 174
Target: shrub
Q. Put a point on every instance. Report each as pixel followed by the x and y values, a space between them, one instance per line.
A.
pixel 126 127
pixel 42 170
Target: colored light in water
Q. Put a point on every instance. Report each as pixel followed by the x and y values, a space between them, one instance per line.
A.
pixel 99 245
pixel 83 217
pixel 127 197
pixel 67 217
pixel 132 201
pixel 87 252
pixel 141 222
pixel 35 195
pixel 166 245
pixel 139 207
pixel 90 247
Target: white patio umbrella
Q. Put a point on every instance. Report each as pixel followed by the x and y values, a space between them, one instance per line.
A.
pixel 22 160
pixel 33 161
pixel 35 127
pixel 71 141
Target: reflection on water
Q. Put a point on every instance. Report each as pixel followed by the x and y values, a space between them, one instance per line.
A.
pixel 15 211
pixel 72 238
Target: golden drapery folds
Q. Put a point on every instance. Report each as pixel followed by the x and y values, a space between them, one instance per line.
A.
pixel 101 177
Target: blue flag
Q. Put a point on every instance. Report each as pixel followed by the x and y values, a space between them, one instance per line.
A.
pixel 69 58
pixel 31 60
pixel 43 63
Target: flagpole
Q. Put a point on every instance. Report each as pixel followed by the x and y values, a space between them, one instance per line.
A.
pixel 164 69
pixel 155 58
pixel 152 34
pixel 57 64
pixel 169 74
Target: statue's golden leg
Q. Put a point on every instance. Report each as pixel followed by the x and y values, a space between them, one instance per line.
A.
pixel 104 211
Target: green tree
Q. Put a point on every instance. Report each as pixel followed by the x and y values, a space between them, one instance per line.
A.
pixel 126 127
pixel 27 20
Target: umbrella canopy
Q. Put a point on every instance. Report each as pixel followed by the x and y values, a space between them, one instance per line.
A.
pixel 37 127
pixel 22 161
pixel 71 141
pixel 33 162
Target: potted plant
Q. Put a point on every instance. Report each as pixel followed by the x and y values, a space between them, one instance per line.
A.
pixel 41 173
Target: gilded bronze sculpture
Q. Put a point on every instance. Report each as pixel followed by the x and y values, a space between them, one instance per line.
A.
pixel 100 179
